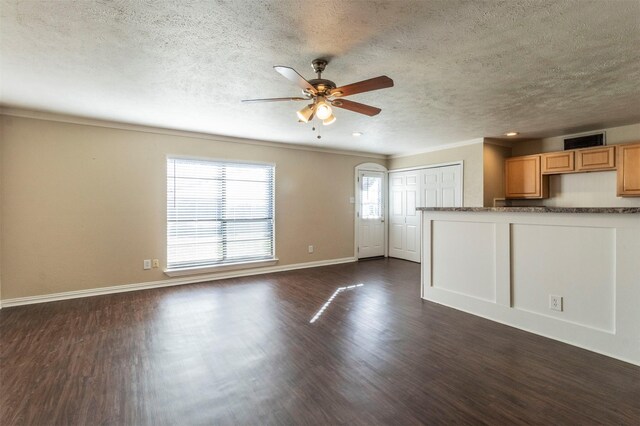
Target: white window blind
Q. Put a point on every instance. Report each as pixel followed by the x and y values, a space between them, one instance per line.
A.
pixel 218 212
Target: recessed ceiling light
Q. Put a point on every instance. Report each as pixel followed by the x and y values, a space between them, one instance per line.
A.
pixel 512 134
pixel 356 134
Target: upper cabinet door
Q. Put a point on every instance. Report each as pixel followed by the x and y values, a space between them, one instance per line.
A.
pixel 523 178
pixel 558 162
pixel 628 170
pixel 592 159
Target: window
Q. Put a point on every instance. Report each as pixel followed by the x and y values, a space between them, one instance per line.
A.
pixel 371 197
pixel 218 213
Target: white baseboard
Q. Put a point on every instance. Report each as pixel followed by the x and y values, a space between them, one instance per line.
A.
pixel 29 300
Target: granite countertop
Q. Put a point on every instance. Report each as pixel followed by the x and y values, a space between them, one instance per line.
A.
pixel 615 210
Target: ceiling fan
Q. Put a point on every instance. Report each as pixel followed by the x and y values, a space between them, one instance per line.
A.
pixel 323 94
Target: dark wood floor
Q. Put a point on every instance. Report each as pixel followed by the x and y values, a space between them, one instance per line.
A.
pixel 242 351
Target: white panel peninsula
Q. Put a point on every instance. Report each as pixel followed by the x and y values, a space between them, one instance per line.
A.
pixel 571 274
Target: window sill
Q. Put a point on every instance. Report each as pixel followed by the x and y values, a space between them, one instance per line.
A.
pixel 180 272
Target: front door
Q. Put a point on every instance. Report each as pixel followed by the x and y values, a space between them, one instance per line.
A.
pixel 371 214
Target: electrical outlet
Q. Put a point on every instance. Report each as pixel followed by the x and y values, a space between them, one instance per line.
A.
pixel 156 263
pixel 555 303
pixel 146 264
pixel 310 249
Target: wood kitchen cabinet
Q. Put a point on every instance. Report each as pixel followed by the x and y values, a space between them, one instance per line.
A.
pixel 595 159
pixel 524 179
pixel 558 162
pixel 628 157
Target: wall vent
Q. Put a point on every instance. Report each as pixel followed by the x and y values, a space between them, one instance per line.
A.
pixel 585 140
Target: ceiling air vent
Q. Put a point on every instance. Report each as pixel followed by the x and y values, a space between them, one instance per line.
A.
pixel 585 141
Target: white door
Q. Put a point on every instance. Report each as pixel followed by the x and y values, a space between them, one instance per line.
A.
pixel 371 214
pixel 404 220
pixel 442 186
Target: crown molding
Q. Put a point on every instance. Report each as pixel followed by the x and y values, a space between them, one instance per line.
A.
pixel 72 119
pixel 441 148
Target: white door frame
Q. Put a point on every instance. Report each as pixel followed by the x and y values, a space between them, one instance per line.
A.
pixel 370 167
pixel 431 166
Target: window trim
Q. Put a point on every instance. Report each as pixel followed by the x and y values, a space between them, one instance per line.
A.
pixel 194 270
pixel 180 272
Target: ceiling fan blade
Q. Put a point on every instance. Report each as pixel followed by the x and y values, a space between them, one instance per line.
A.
pixel 356 107
pixel 274 100
pixel 293 75
pixel 376 83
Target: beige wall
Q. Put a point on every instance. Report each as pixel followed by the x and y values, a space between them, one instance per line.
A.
pixel 82 205
pixel 471 155
pixel 1 203
pixel 596 189
pixel 529 147
pixel 493 163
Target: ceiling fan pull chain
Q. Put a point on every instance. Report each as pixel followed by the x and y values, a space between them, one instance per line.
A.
pixel 313 129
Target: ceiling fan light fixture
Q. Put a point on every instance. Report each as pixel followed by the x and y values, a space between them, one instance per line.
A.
pixel 323 110
pixel 306 113
pixel 329 120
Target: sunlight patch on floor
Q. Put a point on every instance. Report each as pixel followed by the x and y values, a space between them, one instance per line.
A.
pixel 328 302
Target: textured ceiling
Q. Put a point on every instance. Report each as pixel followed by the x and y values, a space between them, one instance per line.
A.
pixel 462 69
